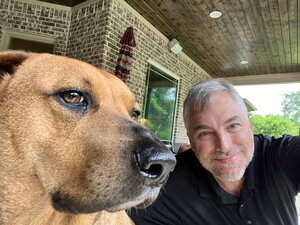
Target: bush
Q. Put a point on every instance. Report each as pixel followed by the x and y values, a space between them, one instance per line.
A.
pixel 273 125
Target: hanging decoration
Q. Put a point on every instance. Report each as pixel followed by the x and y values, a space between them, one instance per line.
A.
pixel 124 62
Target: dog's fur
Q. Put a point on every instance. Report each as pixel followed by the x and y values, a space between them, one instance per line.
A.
pixel 65 162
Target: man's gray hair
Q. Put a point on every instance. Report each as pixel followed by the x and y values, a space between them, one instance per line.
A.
pixel 201 94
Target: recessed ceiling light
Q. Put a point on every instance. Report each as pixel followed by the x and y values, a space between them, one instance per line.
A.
pixel 215 14
pixel 244 62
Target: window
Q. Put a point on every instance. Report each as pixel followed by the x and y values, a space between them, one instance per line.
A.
pixel 160 103
pixel 13 40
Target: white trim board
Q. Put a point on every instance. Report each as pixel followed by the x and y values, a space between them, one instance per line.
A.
pixel 265 79
pixel 8 34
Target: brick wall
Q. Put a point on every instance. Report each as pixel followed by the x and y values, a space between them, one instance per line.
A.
pixel 88 35
pixel 36 18
pixel 91 32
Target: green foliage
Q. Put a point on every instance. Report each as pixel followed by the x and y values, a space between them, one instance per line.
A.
pixel 291 106
pixel 273 125
pixel 160 112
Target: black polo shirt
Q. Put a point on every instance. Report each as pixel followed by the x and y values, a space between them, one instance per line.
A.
pixel 192 196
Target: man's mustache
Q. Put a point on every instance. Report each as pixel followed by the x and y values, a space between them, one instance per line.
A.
pixel 230 152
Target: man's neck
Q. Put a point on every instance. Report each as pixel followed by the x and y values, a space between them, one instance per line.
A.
pixel 232 187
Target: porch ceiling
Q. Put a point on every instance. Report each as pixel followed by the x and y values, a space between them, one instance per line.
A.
pixel 263 32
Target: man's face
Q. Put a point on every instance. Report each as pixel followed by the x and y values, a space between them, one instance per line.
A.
pixel 221 136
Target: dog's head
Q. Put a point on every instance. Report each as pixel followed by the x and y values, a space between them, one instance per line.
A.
pixel 74 130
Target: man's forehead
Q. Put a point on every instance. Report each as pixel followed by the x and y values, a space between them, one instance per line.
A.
pixel 206 125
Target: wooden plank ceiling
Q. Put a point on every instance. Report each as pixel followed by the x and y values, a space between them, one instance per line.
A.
pixel 263 32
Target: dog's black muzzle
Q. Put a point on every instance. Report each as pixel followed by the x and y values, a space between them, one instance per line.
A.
pixel 153 159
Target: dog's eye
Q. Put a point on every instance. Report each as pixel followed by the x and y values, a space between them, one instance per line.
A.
pixel 135 114
pixel 72 97
pixel 75 100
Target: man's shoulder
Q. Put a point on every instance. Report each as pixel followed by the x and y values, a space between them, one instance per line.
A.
pixel 265 141
pixel 187 156
pixel 278 148
pixel 187 162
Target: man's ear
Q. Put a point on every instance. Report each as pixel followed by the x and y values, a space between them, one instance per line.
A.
pixel 189 137
pixel 250 122
pixel 10 60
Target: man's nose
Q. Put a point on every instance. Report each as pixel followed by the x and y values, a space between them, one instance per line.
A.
pixel 224 141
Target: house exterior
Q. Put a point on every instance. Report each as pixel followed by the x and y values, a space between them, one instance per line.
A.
pixel 91 32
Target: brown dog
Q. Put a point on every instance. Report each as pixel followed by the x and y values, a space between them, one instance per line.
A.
pixel 70 147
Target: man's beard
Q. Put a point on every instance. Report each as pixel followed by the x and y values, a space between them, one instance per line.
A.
pixel 218 170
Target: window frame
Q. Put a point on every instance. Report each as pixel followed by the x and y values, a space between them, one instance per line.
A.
pixel 7 35
pixel 172 75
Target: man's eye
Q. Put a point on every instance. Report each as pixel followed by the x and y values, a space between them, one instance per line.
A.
pixel 204 134
pixel 234 125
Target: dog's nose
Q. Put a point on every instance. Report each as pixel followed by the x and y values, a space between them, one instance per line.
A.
pixel 155 163
pixel 153 159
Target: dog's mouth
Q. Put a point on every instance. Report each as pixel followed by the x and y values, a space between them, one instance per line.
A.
pixel 62 204
pixel 146 198
pixel 65 203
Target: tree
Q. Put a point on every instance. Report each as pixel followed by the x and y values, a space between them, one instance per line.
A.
pixel 291 106
pixel 273 125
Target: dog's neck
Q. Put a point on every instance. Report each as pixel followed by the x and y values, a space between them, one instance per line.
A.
pixel 17 199
pixel 49 216
pixel 31 201
pixel 36 209
pixel 52 217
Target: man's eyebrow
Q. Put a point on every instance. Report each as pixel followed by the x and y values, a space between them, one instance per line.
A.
pixel 232 119
pixel 200 127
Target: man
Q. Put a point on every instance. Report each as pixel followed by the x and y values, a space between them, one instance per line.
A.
pixel 230 177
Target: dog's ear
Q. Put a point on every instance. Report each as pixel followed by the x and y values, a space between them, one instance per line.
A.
pixel 10 60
